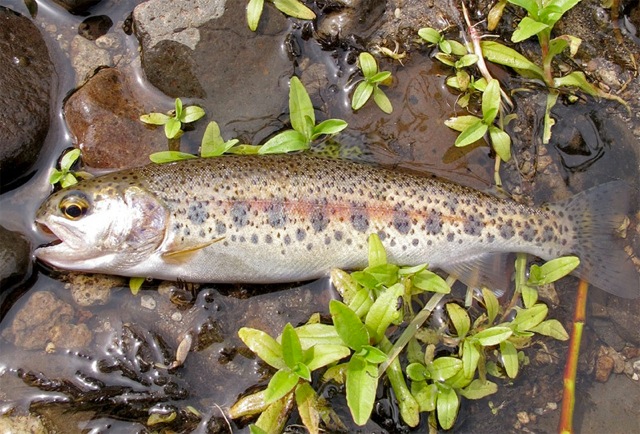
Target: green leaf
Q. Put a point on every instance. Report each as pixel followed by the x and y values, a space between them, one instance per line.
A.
pixel 300 108
pixel 531 317
pixel 425 395
pixel 549 122
pixel 163 157
pixel 552 270
pixel 286 141
pixel 254 10
pixel 509 358
pixel 294 8
pixel 361 95
pixel 472 134
pixel 430 281
pixel 430 35
pixel 155 118
pixel 377 253
pixel 478 389
pixel 302 371
pixel 328 127
pixel 307 402
pixel 491 101
pixel 68 180
pixel 552 328
pixel 530 6
pixel 135 283
pixel 273 418
pixel 466 61
pixel 361 303
pixel 191 114
pixel 368 64
pixel 445 46
pixel 459 318
pixel 69 159
pixel 501 142
pixel 384 274
pixel 178 109
pixel 212 143
pixel 322 355
pixel 381 100
pixel 379 77
pixel 491 304
pixel 254 429
pixel 282 382
pixel 461 123
pixel 55 176
pixel 557 45
pixel 458 49
pixel 470 358
pixel 172 128
pixel 291 348
pixel 317 334
pixel 446 59
pixel 384 311
pixel 497 53
pixel 351 330
pixel 527 28
pixel 373 355
pixel 443 368
pixel 362 381
pixel 245 149
pixel 493 335
pixel 447 407
pixel 263 345
pixel 417 372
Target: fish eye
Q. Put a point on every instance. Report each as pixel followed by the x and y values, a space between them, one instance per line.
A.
pixel 74 206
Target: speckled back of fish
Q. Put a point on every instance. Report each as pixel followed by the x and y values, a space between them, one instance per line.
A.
pixel 287 218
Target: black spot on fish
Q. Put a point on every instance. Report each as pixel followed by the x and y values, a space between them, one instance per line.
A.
pixel 287 240
pixel 472 226
pixel 359 219
pixel 548 233
pixel 197 213
pixel 491 238
pixel 240 214
pixel 309 246
pixel 450 236
pixel 301 234
pixel 187 231
pixel 242 239
pixel 319 221
pixel 415 242
pixel 401 222
pixel 337 235
pixel 382 235
pixel 202 234
pixel 507 232
pixel 327 240
pixel 221 228
pixel 254 239
pixel 433 224
pixel 268 239
pixel 276 216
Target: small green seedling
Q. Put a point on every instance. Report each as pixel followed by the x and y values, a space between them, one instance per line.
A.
pixel 65 176
pixel 292 8
pixel 303 121
pixel 373 78
pixel 174 119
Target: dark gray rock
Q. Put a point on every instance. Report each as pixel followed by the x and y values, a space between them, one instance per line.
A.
pixel 353 17
pixel 242 76
pixel 25 85
pixel 77 6
pixel 14 257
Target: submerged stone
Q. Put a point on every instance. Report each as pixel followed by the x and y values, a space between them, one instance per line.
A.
pixel 25 86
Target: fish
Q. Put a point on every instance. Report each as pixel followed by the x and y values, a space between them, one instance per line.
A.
pixel 286 218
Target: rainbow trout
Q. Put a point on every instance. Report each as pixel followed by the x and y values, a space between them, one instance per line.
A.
pixel 264 219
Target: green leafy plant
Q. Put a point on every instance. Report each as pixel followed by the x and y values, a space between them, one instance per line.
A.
pixel 303 121
pixel 65 176
pixel 292 8
pixel 174 119
pixel 373 78
pixel 356 350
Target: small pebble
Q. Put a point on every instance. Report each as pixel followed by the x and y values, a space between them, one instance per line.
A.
pixel 177 316
pixel 148 302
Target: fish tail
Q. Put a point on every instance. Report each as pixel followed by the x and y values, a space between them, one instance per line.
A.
pixel 598 216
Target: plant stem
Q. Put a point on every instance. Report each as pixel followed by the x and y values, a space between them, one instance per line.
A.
pixel 409 407
pixel 565 425
pixel 544 37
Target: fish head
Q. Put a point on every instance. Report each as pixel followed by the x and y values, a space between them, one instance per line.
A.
pixel 101 226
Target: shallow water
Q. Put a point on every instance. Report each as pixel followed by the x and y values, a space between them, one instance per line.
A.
pixel 130 339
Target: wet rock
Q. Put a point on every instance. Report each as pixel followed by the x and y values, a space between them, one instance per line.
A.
pixel 194 54
pixel 77 6
pixel 92 289
pixel 14 257
pixel 22 424
pixel 44 320
pixel 25 85
pixel 353 17
pixel 86 57
pixel 624 314
pixel 103 117
pixel 94 27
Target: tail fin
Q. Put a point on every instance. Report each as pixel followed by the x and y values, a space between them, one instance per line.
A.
pixel 598 215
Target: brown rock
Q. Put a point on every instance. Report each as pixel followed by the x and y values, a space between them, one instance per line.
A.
pixel 104 119
pixel 604 365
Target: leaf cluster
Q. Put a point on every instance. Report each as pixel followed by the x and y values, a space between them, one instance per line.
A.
pixel 65 176
pixel 174 119
pixel 373 78
pixel 292 8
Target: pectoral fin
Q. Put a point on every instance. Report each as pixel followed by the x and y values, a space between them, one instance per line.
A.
pixel 493 270
pixel 184 254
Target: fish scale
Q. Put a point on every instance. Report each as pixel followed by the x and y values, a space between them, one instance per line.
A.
pixel 295 217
